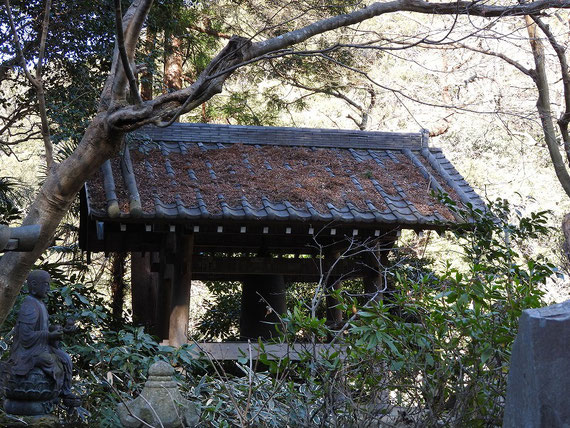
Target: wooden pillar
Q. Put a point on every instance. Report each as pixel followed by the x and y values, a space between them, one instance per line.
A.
pixel 118 287
pixel 259 294
pixel 376 261
pixel 374 276
pixel 144 291
pixel 174 282
pixel 334 312
pixel 180 291
pixel 164 293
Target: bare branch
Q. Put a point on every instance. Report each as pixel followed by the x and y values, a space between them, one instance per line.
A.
pixel 499 55
pixel 419 6
pixel 45 25
pixel 19 52
pixel 46 135
pixel 36 82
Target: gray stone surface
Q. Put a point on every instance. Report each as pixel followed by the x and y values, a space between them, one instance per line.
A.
pixel 160 403
pixel 43 421
pixel 538 391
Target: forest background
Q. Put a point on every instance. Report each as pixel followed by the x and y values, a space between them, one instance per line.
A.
pixel 461 77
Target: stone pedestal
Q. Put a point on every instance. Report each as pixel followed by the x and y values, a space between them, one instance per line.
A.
pixel 43 421
pixel 31 395
pixel 160 403
pixel 538 391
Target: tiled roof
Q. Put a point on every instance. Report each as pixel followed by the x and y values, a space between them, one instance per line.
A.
pixel 203 171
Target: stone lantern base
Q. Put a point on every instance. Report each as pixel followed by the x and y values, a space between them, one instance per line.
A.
pixel 160 403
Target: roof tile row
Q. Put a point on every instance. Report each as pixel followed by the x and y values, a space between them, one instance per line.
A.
pixel 201 171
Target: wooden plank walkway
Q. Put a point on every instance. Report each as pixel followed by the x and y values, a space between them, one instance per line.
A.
pixel 233 351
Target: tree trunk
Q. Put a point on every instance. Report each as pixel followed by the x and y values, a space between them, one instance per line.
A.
pixel 172 63
pixel 104 134
pixel 52 203
pixel 263 300
pixel 147 77
pixel 543 106
pixel 566 231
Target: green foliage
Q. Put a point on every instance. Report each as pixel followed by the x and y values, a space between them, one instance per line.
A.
pixel 9 200
pixel 446 341
pixel 221 320
pixel 109 366
pixel 74 71
pixel 434 352
pixel 437 347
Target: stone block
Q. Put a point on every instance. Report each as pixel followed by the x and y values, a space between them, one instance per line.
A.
pixel 538 388
pixel 160 403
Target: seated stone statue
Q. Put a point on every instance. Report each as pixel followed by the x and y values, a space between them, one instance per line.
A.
pixel 37 371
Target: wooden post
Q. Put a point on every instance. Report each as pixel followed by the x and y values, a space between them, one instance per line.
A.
pixel 165 278
pixel 263 297
pixel 334 312
pixel 144 291
pixel 164 293
pixel 180 297
pixel 376 262
pixel 118 287
pixel 374 276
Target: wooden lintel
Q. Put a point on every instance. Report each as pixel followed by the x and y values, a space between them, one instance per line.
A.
pixel 235 237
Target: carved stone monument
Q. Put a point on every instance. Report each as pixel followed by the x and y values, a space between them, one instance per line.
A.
pixel 160 403
pixel 38 373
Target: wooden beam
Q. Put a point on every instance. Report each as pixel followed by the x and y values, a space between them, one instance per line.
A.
pixel 266 265
pixel 166 276
pixel 142 235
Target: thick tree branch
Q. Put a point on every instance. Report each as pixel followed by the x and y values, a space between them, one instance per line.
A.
pixel 543 105
pixel 168 107
pixel 419 6
pixel 123 53
pixel 211 80
pixel 117 82
pixel 561 55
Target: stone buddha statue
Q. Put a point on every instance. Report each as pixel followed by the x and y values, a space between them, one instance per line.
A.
pixel 38 372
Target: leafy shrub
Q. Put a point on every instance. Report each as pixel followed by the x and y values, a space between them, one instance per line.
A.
pixel 439 347
pixel 434 352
